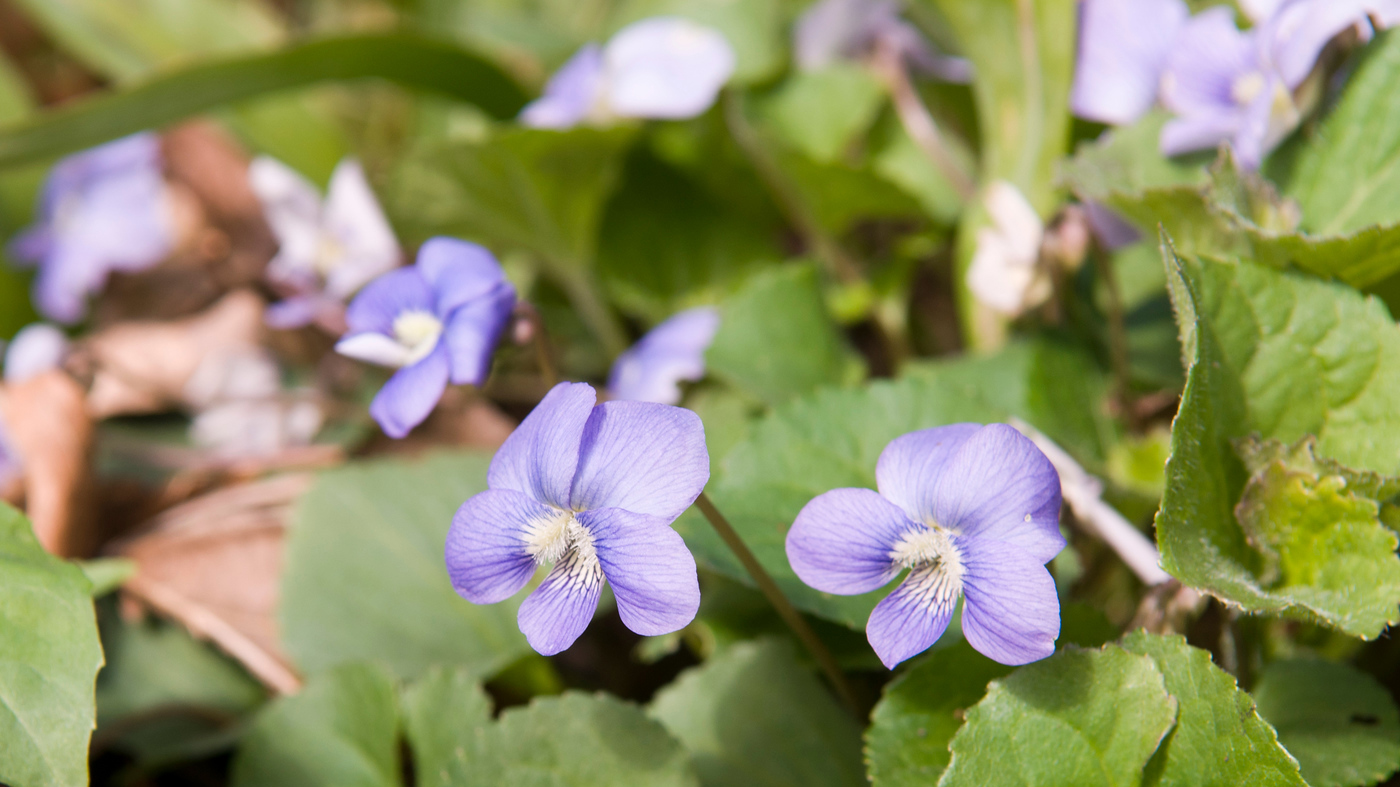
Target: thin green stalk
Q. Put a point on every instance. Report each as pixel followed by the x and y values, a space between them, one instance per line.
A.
pixel 780 602
pixel 582 291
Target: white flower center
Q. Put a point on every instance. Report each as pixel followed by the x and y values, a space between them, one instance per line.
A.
pixel 1248 87
pixel 936 567
pixel 560 539
pixel 418 332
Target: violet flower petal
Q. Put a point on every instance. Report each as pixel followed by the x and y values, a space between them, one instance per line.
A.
pixel 1123 46
pixel 554 616
pixel 1111 229
pixel 1000 486
pixel 910 619
pixel 290 313
pixel 909 467
pixel 292 208
pixel 486 555
pixel 472 332
pixel 411 394
pixel 665 67
pixel 459 271
pixel 643 457
pixel 355 220
pixel 541 456
pixel 651 571
pixel 384 299
pixel 674 351
pixel 1012 612
pixel 842 540
pixel 570 95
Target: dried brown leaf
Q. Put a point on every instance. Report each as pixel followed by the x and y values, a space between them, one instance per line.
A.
pixel 47 421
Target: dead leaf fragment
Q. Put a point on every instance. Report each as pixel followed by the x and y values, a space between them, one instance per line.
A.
pixel 48 425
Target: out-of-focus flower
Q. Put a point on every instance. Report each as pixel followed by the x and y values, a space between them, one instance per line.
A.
pixel 35 349
pixel 435 321
pixel 1123 47
pixel 1006 273
pixel 833 30
pixel 328 250
pixel 107 209
pixel 672 352
pixel 969 510
pixel 592 490
pixel 241 409
pixel 665 68
pixel 1112 230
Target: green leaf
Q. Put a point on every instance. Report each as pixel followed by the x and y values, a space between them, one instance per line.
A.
pixel 840 194
pixel 776 340
pixel 752 716
pixel 1081 717
pixel 341 730
pixel 442 712
pixel 49 657
pixel 821 112
pixel 1219 738
pixel 665 243
pixel 408 60
pixel 1283 356
pixel 365 576
pixel 900 161
pixel 16 100
pixel 832 439
pixel 1340 723
pixel 574 740
pixel 107 573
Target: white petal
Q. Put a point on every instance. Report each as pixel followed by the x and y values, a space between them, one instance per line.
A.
pixel 292 207
pixel 1015 219
pixel 375 348
pixel 665 67
pixel 355 220
pixel 34 350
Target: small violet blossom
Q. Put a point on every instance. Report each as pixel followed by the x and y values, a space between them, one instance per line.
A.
pixel 833 30
pixel 104 210
pixel 672 352
pixel 593 490
pixel 36 349
pixel 968 510
pixel 666 68
pixel 1123 47
pixel 436 321
pixel 1006 273
pixel 327 250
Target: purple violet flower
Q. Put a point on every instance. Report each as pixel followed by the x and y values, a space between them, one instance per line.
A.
pixel 1123 47
pixel 969 510
pixel 436 321
pixel 665 67
pixel 36 349
pixel 102 210
pixel 672 352
pixel 592 489
pixel 327 251
pixel 833 30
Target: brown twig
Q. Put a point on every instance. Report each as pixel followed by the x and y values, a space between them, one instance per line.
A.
pixel 918 123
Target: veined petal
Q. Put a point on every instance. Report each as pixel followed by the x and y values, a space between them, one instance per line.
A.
pixel 570 94
pixel 387 297
pixel 375 348
pixel 652 369
pixel 910 465
pixel 643 457
pixel 411 394
pixel 911 618
pixel 554 616
pixel 665 67
pixel 1210 55
pixel 1123 45
pixel 1298 30
pixel 999 486
pixel 842 541
pixel 473 330
pixel 355 220
pixel 1012 613
pixel 651 571
pixel 486 556
pixel 541 455
pixel 458 271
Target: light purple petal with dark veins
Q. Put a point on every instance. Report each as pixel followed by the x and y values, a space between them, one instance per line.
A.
pixel 1012 613
pixel 1000 486
pixel 570 94
pixel 411 394
pixel 910 465
pixel 1123 45
pixel 841 541
pixel 643 457
pixel 651 571
pixel 472 332
pixel 554 616
pixel 387 297
pixel 541 456
pixel 458 271
pixel 486 556
pixel 674 351
pixel 910 619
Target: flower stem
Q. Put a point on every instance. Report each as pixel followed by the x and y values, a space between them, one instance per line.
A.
pixel 917 122
pixel 780 602
pixel 582 291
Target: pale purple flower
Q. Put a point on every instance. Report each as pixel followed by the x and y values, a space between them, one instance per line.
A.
pixel 592 489
pixel 834 30
pixel 665 68
pixel 967 510
pixel 327 249
pixel 100 211
pixel 672 352
pixel 36 349
pixel 1123 47
pixel 436 321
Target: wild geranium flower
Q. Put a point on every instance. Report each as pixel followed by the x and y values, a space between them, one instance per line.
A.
pixel 665 68
pixel 1123 47
pixel 833 30
pixel 436 321
pixel 36 349
pixel 672 352
pixel 103 210
pixel 1006 273
pixel 327 250
pixel 593 490
pixel 967 510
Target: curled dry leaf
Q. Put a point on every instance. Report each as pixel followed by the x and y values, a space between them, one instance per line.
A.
pixel 144 367
pixel 47 421
pixel 214 564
